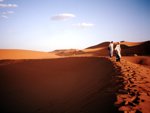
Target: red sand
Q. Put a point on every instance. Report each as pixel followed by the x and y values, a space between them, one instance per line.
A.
pixel 80 84
pixel 66 85
pixel 141 60
pixel 134 95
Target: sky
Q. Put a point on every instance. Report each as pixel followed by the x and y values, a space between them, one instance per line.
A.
pixel 47 25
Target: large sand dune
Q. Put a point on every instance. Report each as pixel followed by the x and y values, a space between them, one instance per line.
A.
pixel 128 49
pixel 66 85
pixel 76 81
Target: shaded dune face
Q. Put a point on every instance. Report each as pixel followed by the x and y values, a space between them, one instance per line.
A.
pixel 142 60
pixel 66 85
pixel 127 49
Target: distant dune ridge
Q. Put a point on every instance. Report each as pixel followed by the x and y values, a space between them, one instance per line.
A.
pixel 25 54
pixel 128 49
pixel 68 52
pixel 76 81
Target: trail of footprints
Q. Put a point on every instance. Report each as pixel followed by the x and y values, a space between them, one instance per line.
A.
pixel 135 85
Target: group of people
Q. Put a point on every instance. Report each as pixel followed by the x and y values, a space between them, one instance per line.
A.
pixel 117 50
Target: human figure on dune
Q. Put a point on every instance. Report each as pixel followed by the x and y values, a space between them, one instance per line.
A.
pixel 118 52
pixel 111 48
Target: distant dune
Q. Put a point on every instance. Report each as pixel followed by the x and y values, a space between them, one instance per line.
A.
pixel 67 52
pixel 130 44
pixel 101 45
pixel 128 49
pixel 25 54
pixel 140 49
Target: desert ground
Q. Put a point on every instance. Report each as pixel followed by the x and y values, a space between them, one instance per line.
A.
pixel 68 85
pixel 76 81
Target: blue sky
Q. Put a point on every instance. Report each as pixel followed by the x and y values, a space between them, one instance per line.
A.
pixel 46 25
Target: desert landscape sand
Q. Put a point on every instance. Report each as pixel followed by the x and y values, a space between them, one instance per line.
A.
pixel 141 60
pixel 25 54
pixel 66 85
pixel 76 81
pixel 134 94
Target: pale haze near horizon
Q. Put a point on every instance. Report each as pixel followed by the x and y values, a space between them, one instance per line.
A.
pixel 47 25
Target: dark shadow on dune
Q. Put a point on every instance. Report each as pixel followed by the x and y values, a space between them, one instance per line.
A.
pixel 66 85
pixel 142 49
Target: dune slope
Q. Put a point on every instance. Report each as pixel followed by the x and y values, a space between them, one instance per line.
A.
pixel 65 85
pixel 127 49
pixel 134 95
pixel 141 60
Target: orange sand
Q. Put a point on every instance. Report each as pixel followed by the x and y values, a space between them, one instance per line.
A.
pixel 25 54
pixel 72 81
pixel 134 94
pixel 65 85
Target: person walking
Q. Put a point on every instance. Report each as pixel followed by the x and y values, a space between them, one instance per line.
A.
pixel 118 52
pixel 111 48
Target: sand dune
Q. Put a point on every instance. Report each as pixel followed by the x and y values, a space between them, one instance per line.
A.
pixel 134 94
pixel 76 81
pixel 128 49
pixel 140 50
pixel 131 43
pixel 65 85
pixel 73 85
pixel 25 54
pixel 141 60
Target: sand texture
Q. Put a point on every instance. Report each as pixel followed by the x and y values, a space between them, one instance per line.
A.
pixel 65 85
pixel 134 94
pixel 76 81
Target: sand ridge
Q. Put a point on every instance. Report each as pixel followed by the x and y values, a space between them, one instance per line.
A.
pixel 74 84
pixel 134 94
pixel 63 85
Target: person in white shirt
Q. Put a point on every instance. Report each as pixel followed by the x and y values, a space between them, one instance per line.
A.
pixel 111 48
pixel 118 52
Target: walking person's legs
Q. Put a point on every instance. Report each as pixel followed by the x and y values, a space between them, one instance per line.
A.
pixel 111 52
pixel 117 58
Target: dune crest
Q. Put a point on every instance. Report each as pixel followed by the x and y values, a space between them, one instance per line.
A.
pixel 64 85
pixel 128 49
pixel 134 94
